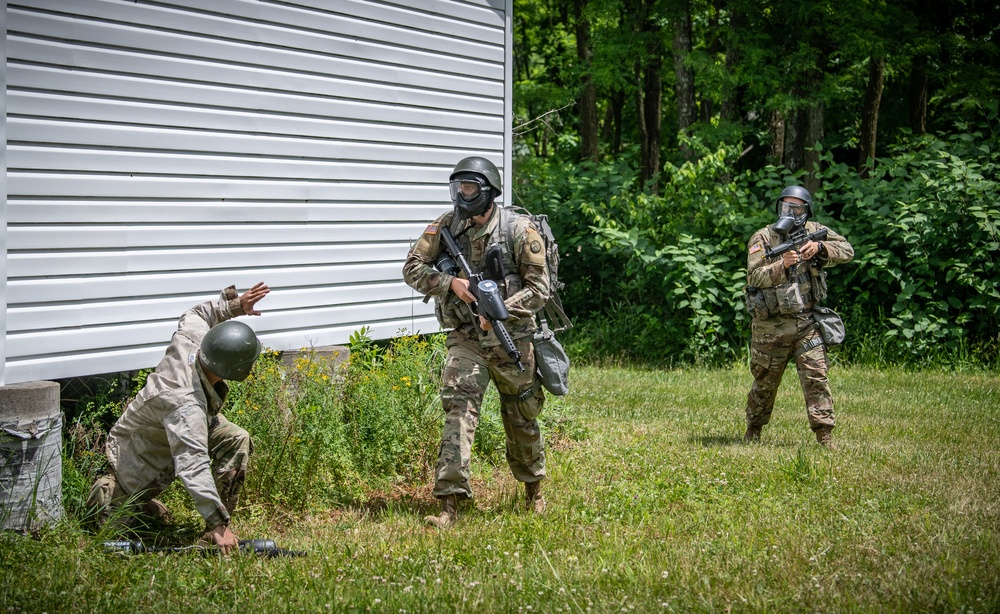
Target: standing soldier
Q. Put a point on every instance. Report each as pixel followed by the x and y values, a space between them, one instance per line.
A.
pixel 781 295
pixel 484 232
pixel 173 428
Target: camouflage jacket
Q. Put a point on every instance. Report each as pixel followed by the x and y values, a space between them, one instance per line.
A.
pixel 163 432
pixel 525 288
pixel 773 290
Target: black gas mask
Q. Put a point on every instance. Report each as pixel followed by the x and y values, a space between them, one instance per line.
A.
pixel 791 216
pixel 471 193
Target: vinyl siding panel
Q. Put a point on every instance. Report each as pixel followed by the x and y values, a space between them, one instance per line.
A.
pixel 158 153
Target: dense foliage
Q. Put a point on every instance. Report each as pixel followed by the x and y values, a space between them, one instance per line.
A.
pixel 657 134
pixel 659 278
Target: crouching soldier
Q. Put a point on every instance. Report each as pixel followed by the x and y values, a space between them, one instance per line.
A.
pixel 173 428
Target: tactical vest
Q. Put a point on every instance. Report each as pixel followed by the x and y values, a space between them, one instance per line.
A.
pixel 453 313
pixel 805 289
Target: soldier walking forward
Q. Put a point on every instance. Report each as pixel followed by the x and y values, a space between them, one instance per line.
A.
pixel 782 293
pixel 484 231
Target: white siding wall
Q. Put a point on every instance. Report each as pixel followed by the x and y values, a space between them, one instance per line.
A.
pixel 157 152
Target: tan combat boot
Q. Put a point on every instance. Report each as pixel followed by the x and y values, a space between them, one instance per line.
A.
pixel 753 433
pixel 533 499
pixel 825 438
pixel 449 513
pixel 155 509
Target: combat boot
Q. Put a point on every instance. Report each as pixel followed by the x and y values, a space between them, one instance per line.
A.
pixel 155 509
pixel 825 437
pixel 533 499
pixel 449 513
pixel 753 433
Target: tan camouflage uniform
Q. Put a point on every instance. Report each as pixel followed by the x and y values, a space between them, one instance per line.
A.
pixel 472 362
pixel 173 429
pixel 783 328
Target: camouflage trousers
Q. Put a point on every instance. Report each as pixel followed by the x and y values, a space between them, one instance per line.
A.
pixel 467 372
pixel 229 447
pixel 773 344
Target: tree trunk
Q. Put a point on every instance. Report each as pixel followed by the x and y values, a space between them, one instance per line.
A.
pixel 918 94
pixel 683 75
pixel 869 116
pixel 813 136
pixel 588 94
pixel 650 108
pixel 612 127
pixel 795 139
pixel 776 127
pixel 732 103
pixel 651 112
pixel 706 105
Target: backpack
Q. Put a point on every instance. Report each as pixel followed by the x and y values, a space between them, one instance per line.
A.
pixel 553 316
pixel 551 360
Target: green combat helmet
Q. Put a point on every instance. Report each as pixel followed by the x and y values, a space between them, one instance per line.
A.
pixel 229 350
pixel 474 183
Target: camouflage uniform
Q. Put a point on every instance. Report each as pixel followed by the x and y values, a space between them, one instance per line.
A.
pixel 781 303
pixel 473 361
pixel 173 428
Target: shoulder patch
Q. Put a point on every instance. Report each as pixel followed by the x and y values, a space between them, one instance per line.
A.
pixel 756 247
pixel 432 229
pixel 535 247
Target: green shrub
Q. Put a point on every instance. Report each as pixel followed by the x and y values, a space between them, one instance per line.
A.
pixel 329 431
pixel 925 232
pixel 392 408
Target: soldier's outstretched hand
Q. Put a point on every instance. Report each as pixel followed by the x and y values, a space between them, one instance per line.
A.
pixel 249 298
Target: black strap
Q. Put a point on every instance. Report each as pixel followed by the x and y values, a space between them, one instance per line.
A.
pixel 808 345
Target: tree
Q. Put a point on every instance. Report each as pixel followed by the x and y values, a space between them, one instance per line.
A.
pixel 587 102
pixel 683 74
pixel 648 75
pixel 869 116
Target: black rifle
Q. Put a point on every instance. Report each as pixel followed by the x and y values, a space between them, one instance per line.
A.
pixel 263 547
pixel 795 240
pixel 488 301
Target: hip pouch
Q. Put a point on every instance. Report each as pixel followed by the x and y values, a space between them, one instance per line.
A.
pixel 551 362
pixel 756 303
pixel 790 299
pixel 830 326
pixel 818 284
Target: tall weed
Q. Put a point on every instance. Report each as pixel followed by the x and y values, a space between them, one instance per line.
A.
pixel 328 431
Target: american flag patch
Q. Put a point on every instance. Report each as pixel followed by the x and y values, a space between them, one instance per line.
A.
pixel 756 247
pixel 432 229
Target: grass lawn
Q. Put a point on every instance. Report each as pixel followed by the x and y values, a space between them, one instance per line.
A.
pixel 659 506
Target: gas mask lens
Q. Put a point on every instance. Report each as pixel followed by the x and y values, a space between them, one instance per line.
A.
pixel 795 210
pixel 466 189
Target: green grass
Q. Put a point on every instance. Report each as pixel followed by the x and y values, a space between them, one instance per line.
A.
pixel 659 507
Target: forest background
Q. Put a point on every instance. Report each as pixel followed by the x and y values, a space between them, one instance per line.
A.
pixel 657 134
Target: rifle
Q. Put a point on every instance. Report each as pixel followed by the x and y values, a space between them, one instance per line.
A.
pixel 488 301
pixel 263 547
pixel 795 240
